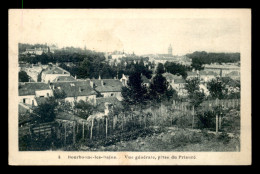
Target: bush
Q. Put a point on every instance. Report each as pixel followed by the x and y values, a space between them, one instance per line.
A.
pixel 206 120
pixel 224 137
pixel 183 138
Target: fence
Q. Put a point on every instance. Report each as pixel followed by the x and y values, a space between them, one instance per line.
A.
pixel 180 113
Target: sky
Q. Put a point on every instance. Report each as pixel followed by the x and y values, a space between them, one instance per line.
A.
pixel 141 35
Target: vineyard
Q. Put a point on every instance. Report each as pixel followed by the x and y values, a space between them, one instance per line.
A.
pixel 216 116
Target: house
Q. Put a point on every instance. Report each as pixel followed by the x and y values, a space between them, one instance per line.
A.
pixel 64 79
pixel 52 72
pixel 192 74
pixel 29 91
pixel 76 91
pixel 108 87
pixel 124 79
pixel 206 76
pixel 235 75
pixel 177 83
pixel 145 81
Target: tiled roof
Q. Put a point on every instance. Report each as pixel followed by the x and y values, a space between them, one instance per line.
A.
pixel 233 73
pixel 178 81
pixel 207 73
pixel 64 79
pixel 101 102
pixel 77 88
pixel 29 88
pixel 171 76
pixel 191 73
pixel 55 70
pixel 110 85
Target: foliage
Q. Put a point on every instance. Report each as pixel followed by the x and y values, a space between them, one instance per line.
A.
pixel 197 64
pixel 136 92
pixel 177 69
pixel 216 88
pixel 45 112
pixel 196 97
pixel 23 77
pixel 59 94
pixel 84 109
pixel 160 69
pixel 208 58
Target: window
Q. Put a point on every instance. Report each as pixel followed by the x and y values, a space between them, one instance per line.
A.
pixel 48 94
pixel 24 100
pixel 33 102
pixel 112 94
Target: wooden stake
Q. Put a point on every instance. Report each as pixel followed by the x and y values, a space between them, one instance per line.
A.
pixel 220 120
pixel 193 113
pixel 216 124
pixel 92 124
pixel 106 127
pixel 65 133
pixel 83 129
pixel 74 133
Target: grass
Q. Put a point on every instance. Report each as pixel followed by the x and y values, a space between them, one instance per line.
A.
pixel 176 140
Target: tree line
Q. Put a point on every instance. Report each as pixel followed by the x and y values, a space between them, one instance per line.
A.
pixel 200 58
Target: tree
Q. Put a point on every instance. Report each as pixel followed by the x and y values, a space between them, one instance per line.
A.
pixel 135 93
pixel 217 88
pixel 197 64
pixel 23 77
pixel 196 97
pixel 45 112
pixel 160 69
pixel 84 109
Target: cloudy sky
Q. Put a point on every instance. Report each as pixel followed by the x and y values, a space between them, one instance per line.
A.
pixel 142 34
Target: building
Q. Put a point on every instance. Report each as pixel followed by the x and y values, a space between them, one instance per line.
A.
pixel 52 72
pixel 64 79
pixel 29 91
pixel 206 76
pixel 124 79
pixel 177 83
pixel 192 74
pixel 145 81
pixel 223 69
pixel 76 91
pixel 235 75
pixel 108 87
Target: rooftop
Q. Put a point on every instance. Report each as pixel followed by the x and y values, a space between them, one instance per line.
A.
pixel 178 81
pixel 109 85
pixel 29 88
pixel 170 76
pixel 64 79
pixel 145 79
pixel 75 88
pixel 55 70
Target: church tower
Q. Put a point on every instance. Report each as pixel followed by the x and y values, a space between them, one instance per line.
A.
pixel 170 50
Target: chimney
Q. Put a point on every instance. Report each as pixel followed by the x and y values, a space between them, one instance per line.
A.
pixel 102 83
pixel 99 78
pixel 75 77
pixel 79 89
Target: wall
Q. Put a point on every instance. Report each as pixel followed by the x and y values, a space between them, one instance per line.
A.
pixel 44 93
pixel 51 77
pixel 113 94
pixel 91 99
pixel 29 99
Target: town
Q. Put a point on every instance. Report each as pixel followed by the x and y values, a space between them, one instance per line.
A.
pixel 81 99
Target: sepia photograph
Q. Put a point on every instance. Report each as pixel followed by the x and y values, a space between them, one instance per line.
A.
pixel 129 86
